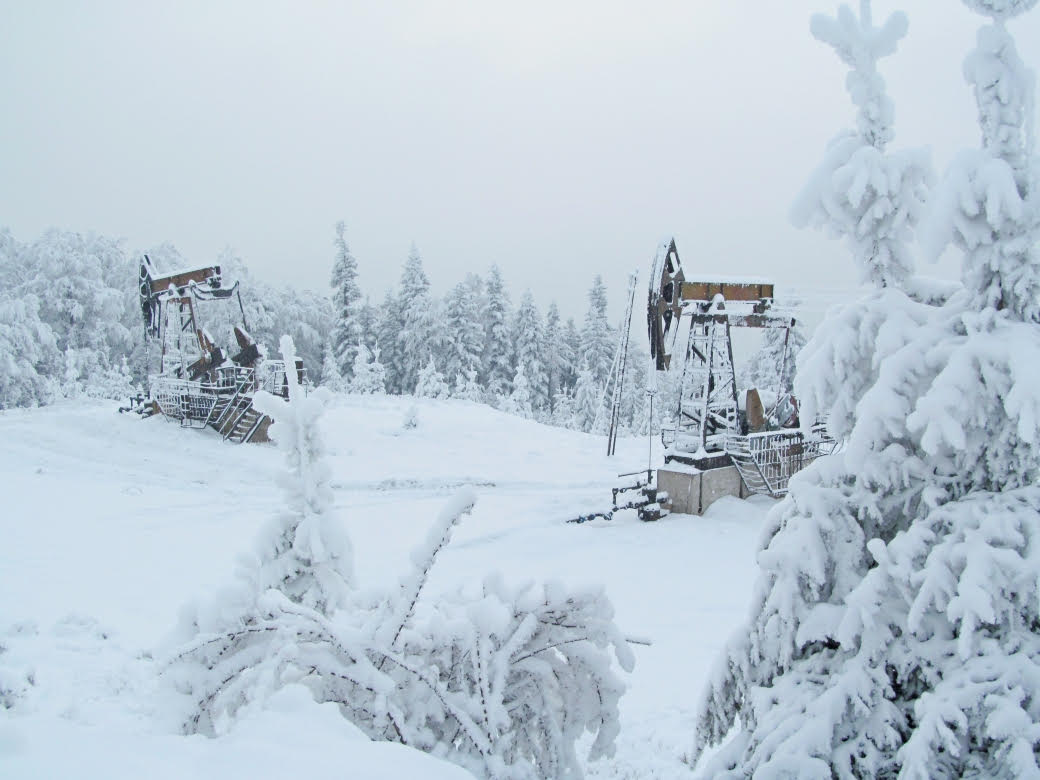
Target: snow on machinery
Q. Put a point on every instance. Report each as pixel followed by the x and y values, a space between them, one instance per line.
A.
pixel 199 384
pixel 715 445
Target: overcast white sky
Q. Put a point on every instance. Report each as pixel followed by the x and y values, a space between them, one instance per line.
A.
pixel 558 139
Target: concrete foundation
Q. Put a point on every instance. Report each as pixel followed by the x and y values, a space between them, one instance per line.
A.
pixel 691 491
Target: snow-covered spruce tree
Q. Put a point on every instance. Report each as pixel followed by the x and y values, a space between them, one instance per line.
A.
pixel 368 323
pixel 859 192
pixel 559 360
pixel 431 382
pixel 346 303
pixel 369 374
pixel 498 340
pixel 529 342
pixel 464 330
pixel 895 627
pixel 387 329
pixel 572 351
pixel 598 339
pixel 417 324
pixel 331 377
pixel 518 402
pixel 587 400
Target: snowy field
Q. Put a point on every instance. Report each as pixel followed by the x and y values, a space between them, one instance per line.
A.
pixel 111 524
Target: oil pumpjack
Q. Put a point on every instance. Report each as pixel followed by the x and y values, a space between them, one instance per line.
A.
pixel 199 384
pixel 716 443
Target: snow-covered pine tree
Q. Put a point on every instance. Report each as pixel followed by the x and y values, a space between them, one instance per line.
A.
pixel 430 383
pixel 984 205
pixel 418 325
pixel 598 339
pixel 368 323
pixel 559 360
pixel 529 341
pixel 463 328
pixel 895 627
pixel 331 378
pixel 587 401
pixel 304 552
pixel 346 303
pixel 369 374
pixel 498 341
pixel 571 351
pixel 563 410
pixel 518 402
pixel 858 191
pixel 387 330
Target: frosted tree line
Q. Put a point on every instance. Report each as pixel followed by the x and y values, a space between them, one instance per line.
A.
pixel 70 326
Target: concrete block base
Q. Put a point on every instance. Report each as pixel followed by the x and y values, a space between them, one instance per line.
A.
pixel 691 491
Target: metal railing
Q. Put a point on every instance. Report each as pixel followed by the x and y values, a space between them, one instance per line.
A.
pixel 767 460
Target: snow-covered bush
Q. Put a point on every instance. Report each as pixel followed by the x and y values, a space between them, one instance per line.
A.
pixel 501 680
pixel 468 388
pixel 369 374
pixel 411 418
pixel 518 402
pixel 28 354
pixel 431 382
pixel 895 626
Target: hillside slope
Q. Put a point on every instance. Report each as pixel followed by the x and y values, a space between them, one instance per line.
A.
pixel 112 523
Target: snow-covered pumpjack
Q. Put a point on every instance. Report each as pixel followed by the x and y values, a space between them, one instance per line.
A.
pixel 714 445
pixel 198 383
pixel 711 429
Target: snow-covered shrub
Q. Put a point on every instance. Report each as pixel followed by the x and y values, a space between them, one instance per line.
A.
pixel 411 418
pixel 431 382
pixel 369 374
pixel 513 677
pixel 501 680
pixel 468 388
pixel 518 402
pixel 895 626
pixel 28 354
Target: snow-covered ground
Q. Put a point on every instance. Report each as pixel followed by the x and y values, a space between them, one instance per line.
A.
pixel 110 524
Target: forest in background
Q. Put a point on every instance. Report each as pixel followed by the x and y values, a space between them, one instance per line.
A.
pixel 70 327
